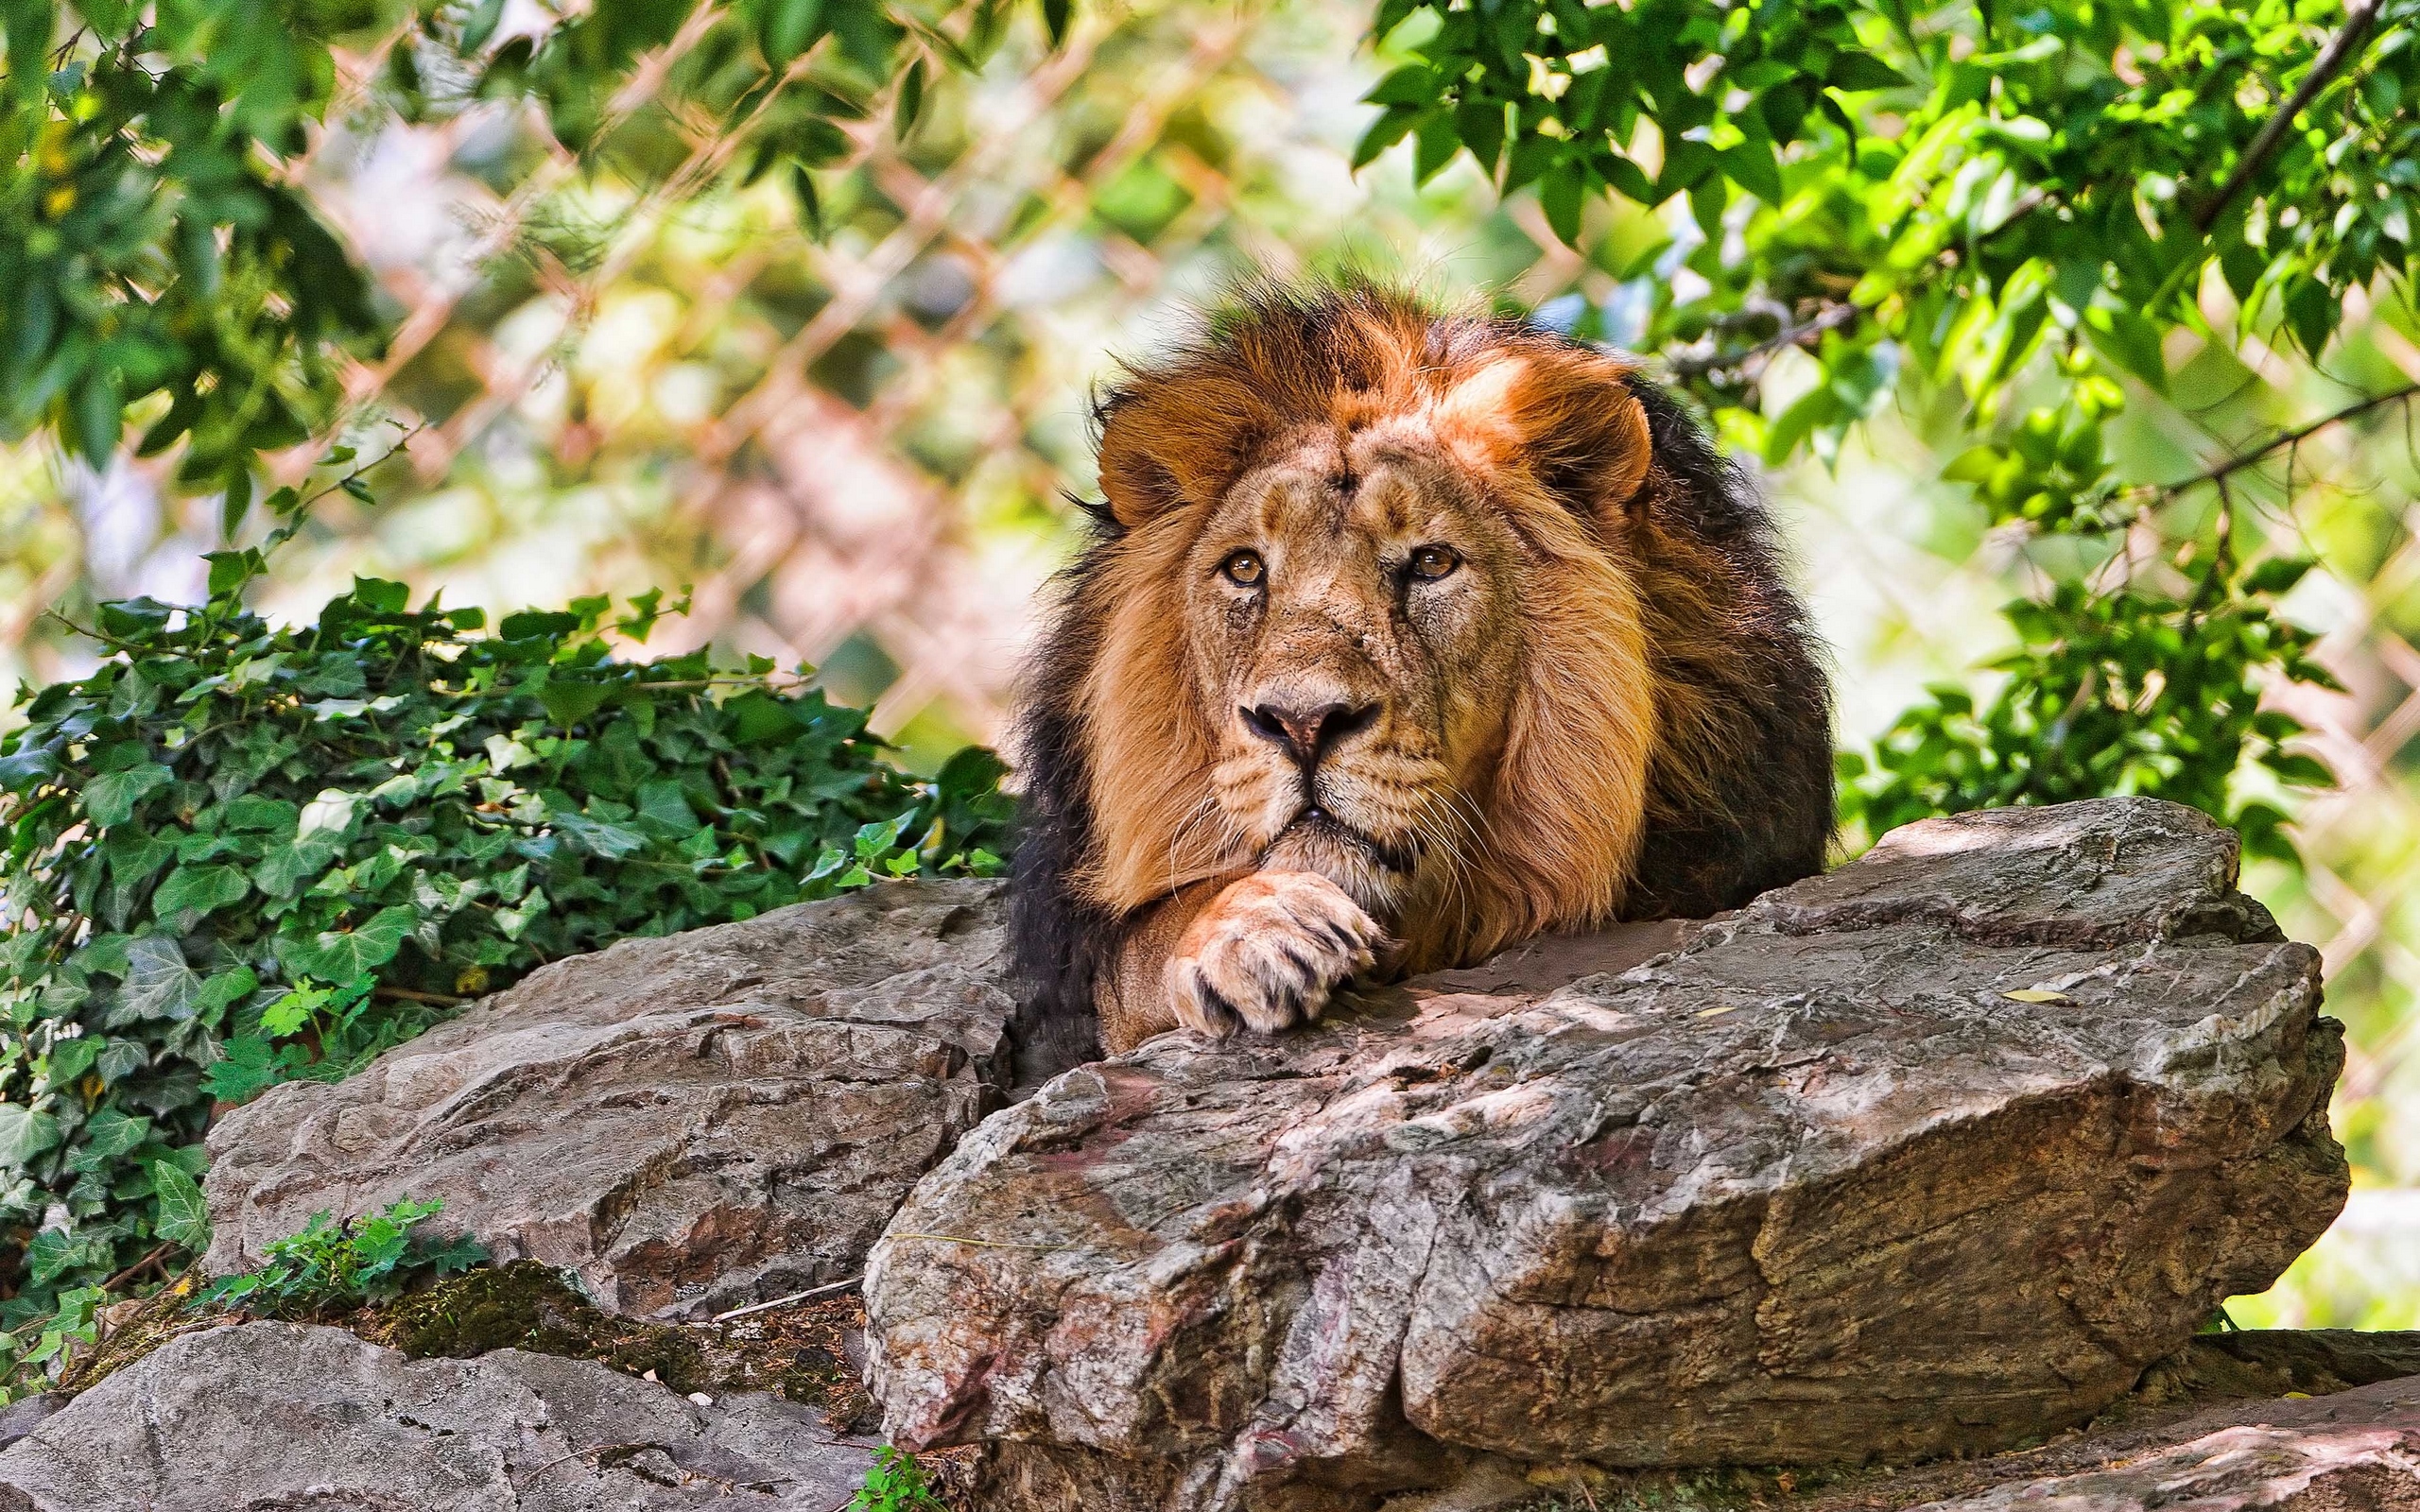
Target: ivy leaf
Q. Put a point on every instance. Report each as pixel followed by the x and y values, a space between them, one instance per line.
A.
pixel 109 1133
pixel 341 956
pixel 185 1215
pixel 158 983
pixel 599 837
pixel 24 1134
pixel 110 799
pixel 199 890
pixel 287 870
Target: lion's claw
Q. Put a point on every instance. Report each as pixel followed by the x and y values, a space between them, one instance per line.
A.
pixel 1268 953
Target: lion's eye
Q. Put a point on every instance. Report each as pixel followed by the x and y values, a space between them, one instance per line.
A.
pixel 1244 569
pixel 1431 563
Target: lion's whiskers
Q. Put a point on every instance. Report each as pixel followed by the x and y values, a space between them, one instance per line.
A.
pixel 1208 807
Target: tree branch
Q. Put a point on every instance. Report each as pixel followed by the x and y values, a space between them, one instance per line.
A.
pixel 2341 51
pixel 2283 439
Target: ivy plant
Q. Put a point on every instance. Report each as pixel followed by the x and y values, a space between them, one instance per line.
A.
pixel 239 852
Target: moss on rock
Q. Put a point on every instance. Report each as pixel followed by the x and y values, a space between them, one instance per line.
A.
pixel 800 1352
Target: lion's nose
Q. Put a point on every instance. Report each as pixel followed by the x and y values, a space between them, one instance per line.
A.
pixel 1307 733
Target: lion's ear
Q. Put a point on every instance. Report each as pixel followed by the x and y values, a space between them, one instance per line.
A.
pixel 1566 418
pixel 1174 440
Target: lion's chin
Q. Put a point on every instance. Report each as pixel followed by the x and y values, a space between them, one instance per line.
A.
pixel 1376 876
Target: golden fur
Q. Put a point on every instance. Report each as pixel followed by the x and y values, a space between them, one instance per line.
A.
pixel 1514 728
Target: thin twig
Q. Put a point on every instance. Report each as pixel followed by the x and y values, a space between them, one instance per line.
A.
pixel 834 1289
pixel 2233 465
pixel 2340 50
pixel 980 1244
pixel 440 999
pixel 137 1268
pixel 1831 318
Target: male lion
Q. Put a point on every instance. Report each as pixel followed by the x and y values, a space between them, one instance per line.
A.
pixel 1401 637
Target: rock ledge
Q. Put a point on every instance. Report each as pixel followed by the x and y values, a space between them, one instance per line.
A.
pixel 1933 1155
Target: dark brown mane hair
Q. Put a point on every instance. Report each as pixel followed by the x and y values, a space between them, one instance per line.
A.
pixel 1738 787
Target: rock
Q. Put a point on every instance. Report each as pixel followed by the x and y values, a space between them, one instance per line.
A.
pixel 1933 1155
pixel 689 1123
pixel 2359 1450
pixel 25 1413
pixel 2276 1362
pixel 274 1414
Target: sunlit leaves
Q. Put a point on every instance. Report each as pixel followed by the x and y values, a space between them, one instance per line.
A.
pixel 2111 692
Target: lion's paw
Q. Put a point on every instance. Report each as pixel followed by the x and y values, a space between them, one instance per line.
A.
pixel 1268 953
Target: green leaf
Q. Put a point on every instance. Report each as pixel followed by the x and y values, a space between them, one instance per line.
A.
pixel 1752 167
pixel 24 1134
pixel 109 1133
pixel 1558 196
pixel 568 703
pixel 1855 70
pixel 199 890
pixel 911 101
pixel 1415 84
pixel 284 872
pixel 2130 341
pixel 247 1067
pixel 185 1215
pixel 158 984
pixel 110 799
pixel 343 955
pixel 481 25
pixel 599 837
pixel 1384 132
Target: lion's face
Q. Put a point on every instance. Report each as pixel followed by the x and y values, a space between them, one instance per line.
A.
pixel 1351 614
pixel 1371 611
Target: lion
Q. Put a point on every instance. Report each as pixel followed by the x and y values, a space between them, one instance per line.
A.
pixel 1402 636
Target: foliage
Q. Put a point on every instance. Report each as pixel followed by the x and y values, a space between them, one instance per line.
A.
pixel 238 854
pixel 896 1484
pixel 331 1265
pixel 2017 206
pixel 2116 692
pixel 169 270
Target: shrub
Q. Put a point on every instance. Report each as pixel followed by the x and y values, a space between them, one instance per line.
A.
pixel 896 1484
pixel 238 854
pixel 332 1266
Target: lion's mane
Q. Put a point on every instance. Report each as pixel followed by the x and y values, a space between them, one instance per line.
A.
pixel 1739 794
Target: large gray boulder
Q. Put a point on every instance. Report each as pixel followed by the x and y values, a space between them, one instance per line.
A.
pixel 1928 1155
pixel 689 1124
pixel 273 1415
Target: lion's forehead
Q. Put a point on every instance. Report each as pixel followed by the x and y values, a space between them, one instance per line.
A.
pixel 1322 492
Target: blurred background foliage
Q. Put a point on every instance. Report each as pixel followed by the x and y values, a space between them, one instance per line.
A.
pixel 821 354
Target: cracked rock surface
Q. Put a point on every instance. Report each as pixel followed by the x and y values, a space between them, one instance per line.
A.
pixel 689 1124
pixel 2356 1451
pixel 280 1415
pixel 1931 1154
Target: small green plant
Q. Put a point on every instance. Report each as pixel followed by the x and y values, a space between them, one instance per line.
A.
pixel 35 1353
pixel 330 1265
pixel 896 1484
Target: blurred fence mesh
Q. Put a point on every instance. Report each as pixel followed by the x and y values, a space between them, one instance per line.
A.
pixel 856 448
